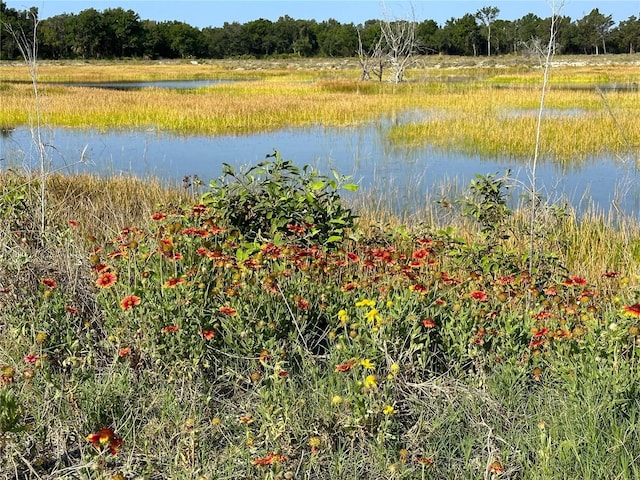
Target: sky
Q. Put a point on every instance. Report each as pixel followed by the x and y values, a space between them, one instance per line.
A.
pixel 214 13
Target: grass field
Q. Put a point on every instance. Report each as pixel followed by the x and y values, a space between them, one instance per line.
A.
pixel 454 100
pixel 254 328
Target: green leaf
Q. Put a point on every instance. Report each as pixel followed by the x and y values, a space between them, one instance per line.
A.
pixel 352 187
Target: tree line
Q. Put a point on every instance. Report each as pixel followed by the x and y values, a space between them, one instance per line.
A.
pixel 120 33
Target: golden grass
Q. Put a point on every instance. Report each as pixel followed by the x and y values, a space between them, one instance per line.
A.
pixel 590 246
pixel 490 110
pixel 491 122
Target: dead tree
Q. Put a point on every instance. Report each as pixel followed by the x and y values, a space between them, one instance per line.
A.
pixel 372 62
pixel 399 37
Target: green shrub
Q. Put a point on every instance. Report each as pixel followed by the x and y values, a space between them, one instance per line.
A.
pixel 275 199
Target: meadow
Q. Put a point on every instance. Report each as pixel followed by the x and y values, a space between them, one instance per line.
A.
pixel 264 326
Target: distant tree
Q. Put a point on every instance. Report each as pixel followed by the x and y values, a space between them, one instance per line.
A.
pixel 261 36
pixel 427 37
pixel 55 36
pixel 461 36
pixel 628 34
pixel 504 36
pixel 594 29
pixel 336 39
pixel 88 34
pixel 124 32
pixel 16 20
pixel 185 41
pixel 306 43
pixel 487 16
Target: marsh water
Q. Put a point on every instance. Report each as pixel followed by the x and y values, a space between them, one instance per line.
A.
pixel 403 178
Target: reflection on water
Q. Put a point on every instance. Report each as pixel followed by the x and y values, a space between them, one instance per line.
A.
pixel 403 176
pixel 170 84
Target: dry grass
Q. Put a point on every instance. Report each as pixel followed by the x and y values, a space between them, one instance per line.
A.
pixel 489 109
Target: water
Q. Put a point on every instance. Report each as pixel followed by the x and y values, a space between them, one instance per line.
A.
pixel 170 84
pixel 404 177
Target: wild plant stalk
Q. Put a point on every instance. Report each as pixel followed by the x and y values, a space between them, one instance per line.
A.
pixel 545 81
pixel 28 47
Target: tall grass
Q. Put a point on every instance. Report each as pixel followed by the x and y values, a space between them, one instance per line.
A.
pixel 475 117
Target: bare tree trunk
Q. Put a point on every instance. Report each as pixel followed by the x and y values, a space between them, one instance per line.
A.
pixel 400 42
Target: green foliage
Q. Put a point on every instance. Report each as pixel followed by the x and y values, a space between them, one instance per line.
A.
pixel 275 200
pixel 486 202
pixel 196 352
pixel 11 414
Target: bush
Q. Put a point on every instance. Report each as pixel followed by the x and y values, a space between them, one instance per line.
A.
pixel 275 200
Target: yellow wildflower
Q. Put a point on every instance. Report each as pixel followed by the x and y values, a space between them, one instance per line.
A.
pixel 372 315
pixel 343 316
pixel 367 364
pixel 365 302
pixel 389 410
pixel 371 381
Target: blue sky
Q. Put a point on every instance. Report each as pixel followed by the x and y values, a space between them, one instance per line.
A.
pixel 204 13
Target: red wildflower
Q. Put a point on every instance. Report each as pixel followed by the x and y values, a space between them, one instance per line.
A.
pixel 579 281
pixel 506 280
pixel 421 254
pixel 425 461
pixel 303 305
pixel 100 267
pixel 159 216
pixel 72 310
pixel 49 283
pixel 419 288
pixel 105 438
pixel 31 358
pixel 196 232
pixel 129 302
pixel 207 334
pixel 106 279
pixel 345 367
pixel 297 229
pixel 170 329
pixel 610 274
pixel 283 374
pixel 540 333
pixel 479 296
pixel 537 342
pixel 428 323
pixel 353 256
pixel 172 282
pixel 199 209
pixel 173 256
pixel 270 459
pixel 349 286
pixel 124 352
pixel 73 223
pixel 228 311
pixel 632 310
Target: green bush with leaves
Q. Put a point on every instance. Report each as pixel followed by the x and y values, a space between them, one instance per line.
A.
pixel 276 199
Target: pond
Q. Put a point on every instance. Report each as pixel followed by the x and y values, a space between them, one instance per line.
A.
pixel 403 178
pixel 168 84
